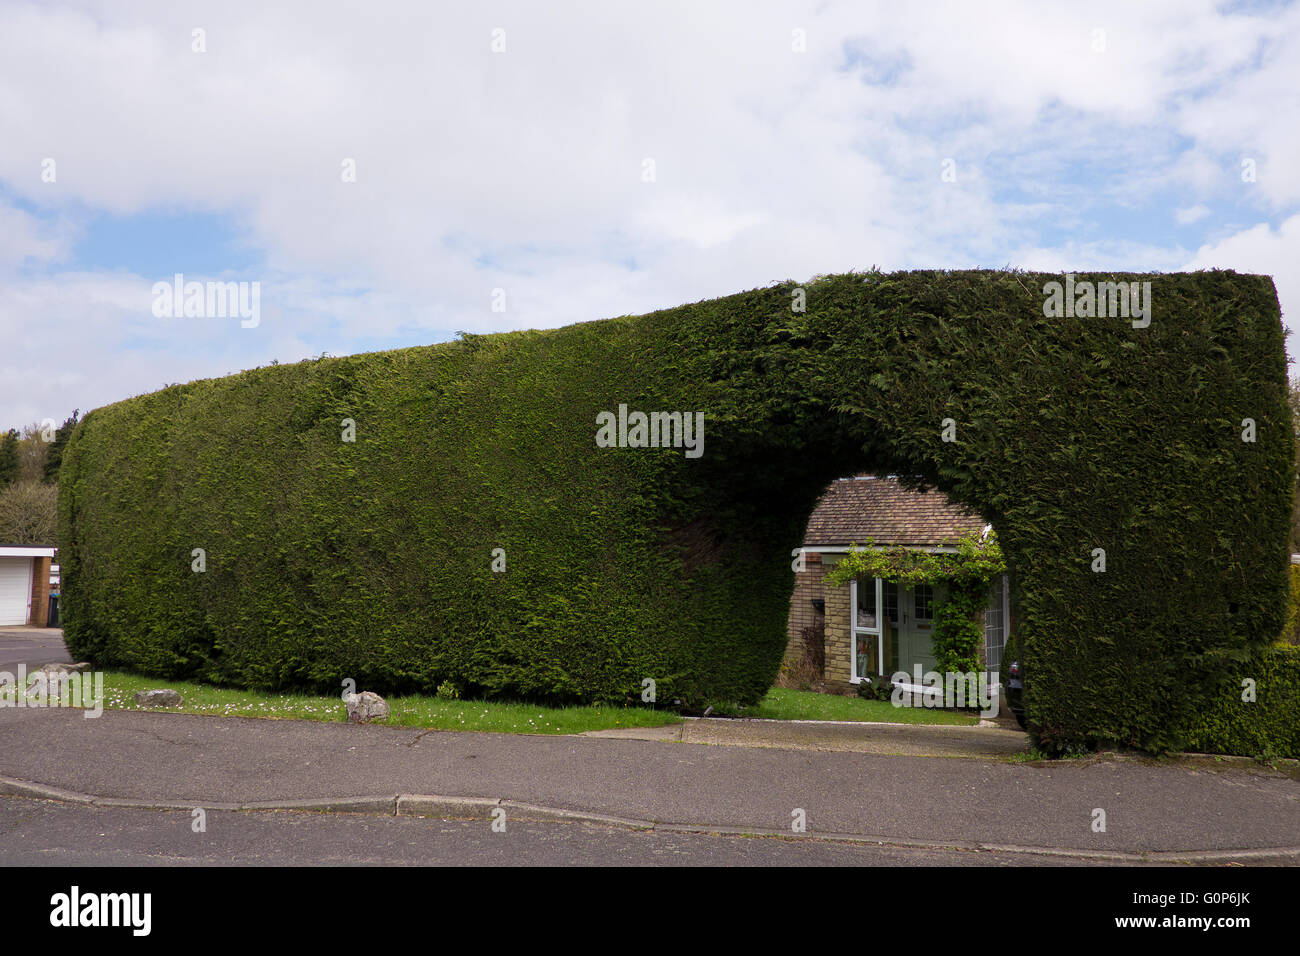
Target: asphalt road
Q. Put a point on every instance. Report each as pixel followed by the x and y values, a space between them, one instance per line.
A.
pixel 1149 806
pixel 31 646
pixel 43 833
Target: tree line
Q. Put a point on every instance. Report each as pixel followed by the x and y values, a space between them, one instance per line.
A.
pixel 30 458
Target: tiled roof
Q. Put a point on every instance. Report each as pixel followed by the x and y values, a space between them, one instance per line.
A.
pixel 855 509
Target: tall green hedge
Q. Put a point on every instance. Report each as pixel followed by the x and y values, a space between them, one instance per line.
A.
pixel 373 559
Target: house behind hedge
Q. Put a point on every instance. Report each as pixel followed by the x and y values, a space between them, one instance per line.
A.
pixel 874 626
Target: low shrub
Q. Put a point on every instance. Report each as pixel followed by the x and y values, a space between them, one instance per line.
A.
pixel 806 670
pixel 876 688
pixel 1253 709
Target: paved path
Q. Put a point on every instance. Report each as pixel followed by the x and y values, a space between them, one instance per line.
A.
pixel 208 761
pixel 921 740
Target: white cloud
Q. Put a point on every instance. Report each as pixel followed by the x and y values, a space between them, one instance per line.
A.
pixel 1263 250
pixel 522 170
pixel 26 240
pixel 1190 214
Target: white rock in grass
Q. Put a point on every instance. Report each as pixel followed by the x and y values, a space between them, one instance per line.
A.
pixel 55 667
pixel 165 697
pixel 365 707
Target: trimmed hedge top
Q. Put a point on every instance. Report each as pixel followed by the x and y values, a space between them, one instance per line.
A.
pixel 372 559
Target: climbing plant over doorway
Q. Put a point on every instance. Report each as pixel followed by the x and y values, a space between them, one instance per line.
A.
pixel 966 572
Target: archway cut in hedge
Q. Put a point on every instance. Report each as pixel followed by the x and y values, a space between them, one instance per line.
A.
pixel 1168 447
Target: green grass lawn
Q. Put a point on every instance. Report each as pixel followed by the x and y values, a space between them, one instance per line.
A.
pixel 504 717
pixel 782 704
pixel 431 712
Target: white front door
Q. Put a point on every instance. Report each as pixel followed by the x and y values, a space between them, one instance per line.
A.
pixel 916 627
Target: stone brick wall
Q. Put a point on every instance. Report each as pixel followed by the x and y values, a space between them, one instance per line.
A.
pixel 40 611
pixel 807 588
pixel 839 644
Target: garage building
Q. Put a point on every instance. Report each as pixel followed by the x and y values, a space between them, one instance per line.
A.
pixel 25 584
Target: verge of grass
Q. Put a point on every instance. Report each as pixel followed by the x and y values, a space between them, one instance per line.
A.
pixel 417 711
pixel 508 717
pixel 786 704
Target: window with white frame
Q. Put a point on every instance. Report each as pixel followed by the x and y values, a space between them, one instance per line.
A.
pixel 867 632
pixel 996 618
pixel 923 604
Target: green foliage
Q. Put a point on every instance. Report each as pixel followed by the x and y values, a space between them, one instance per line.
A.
pixel 1293 400
pixel 1291 633
pixel 1267 727
pixel 976 562
pixel 875 688
pixel 9 461
pixel 55 457
pixel 372 559
pixel 957 636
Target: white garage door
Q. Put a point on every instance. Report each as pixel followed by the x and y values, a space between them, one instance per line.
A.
pixel 15 589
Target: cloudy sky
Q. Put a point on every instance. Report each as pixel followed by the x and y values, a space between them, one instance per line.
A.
pixel 598 159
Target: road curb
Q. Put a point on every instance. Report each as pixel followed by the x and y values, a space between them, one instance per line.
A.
pixel 458 808
pixel 383 804
pixel 125 803
pixel 482 808
pixel 13 787
pixel 530 811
